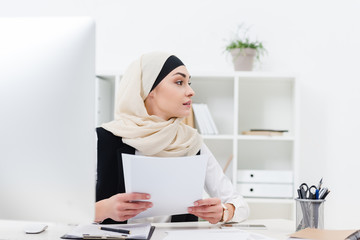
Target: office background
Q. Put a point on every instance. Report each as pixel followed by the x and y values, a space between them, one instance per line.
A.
pixel 317 41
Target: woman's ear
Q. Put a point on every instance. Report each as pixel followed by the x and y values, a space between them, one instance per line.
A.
pixel 149 99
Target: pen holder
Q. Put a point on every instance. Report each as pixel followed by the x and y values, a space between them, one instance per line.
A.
pixel 309 213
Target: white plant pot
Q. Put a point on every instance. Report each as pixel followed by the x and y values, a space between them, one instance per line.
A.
pixel 243 59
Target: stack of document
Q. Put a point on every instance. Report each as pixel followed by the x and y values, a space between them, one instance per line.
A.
pixel 323 234
pixel 93 231
pixel 204 121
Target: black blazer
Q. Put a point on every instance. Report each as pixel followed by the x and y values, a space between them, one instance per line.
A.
pixel 110 176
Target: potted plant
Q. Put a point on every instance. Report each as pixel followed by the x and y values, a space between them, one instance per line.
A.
pixel 244 51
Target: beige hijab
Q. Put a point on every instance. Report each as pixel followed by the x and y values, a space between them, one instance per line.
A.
pixel 150 135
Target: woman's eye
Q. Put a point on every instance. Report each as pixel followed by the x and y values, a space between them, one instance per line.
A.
pixel 179 82
pixel 189 83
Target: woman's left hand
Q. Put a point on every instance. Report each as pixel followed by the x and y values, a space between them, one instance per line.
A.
pixel 209 209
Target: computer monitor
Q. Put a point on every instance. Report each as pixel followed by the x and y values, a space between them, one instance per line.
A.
pixel 47 120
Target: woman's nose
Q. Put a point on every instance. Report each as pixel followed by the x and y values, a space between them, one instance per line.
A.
pixel 190 92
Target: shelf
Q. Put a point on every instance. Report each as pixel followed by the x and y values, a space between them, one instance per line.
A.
pixel 266 138
pixel 107 77
pixel 270 200
pixel 249 137
pixel 222 137
pixel 108 72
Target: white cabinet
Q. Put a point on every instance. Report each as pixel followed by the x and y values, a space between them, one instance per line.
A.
pixel 240 101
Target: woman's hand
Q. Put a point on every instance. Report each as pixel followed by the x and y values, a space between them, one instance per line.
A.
pixel 122 206
pixel 210 209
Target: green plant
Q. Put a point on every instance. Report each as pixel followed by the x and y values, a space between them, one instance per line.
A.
pixel 242 41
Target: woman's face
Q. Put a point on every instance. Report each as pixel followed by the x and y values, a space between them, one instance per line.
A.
pixel 172 97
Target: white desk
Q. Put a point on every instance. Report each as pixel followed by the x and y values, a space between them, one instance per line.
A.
pixel 276 228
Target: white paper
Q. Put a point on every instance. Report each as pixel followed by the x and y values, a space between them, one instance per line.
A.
pixel 139 231
pixel 173 183
pixel 214 234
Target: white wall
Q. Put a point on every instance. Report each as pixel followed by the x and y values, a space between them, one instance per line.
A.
pixel 32 8
pixel 316 40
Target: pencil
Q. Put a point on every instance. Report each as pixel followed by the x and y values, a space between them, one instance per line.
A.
pixel 118 230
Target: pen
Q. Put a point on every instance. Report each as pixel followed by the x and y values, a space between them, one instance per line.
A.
pixel 317 194
pixel 320 183
pixel 327 192
pixel 322 192
pixel 118 230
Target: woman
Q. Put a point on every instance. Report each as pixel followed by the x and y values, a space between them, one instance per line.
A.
pixel 154 96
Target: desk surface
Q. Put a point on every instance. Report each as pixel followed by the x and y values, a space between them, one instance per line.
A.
pixel 276 228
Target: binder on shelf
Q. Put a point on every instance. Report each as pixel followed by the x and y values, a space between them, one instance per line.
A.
pixel 265 132
pixel 198 118
pixel 211 120
pixel 204 121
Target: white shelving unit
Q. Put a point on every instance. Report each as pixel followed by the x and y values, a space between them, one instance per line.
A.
pixel 240 101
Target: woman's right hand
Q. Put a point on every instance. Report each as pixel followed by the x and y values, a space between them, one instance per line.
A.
pixel 122 206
